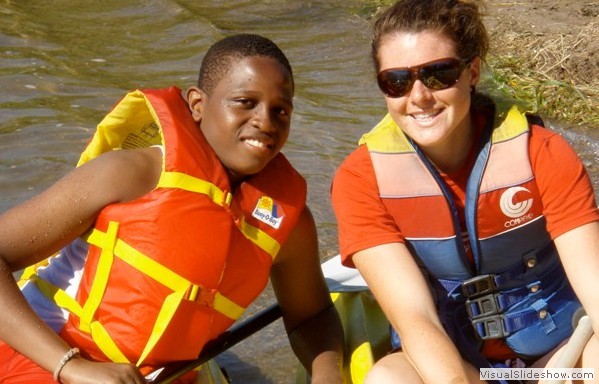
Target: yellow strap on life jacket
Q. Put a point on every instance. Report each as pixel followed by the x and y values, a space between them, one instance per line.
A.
pixel 111 246
pixel 167 311
pixel 174 281
pixel 181 287
pixel 194 184
pixel 87 323
pixel 60 297
pixel 260 238
pixel 63 300
pixel 106 343
pixel 31 271
pixel 165 276
pixel 227 306
pixel 101 276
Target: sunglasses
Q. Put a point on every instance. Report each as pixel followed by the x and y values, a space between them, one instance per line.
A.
pixel 437 74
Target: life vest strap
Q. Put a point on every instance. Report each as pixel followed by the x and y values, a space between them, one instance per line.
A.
pixel 166 276
pixel 101 276
pixel 227 307
pixel 63 300
pixel 167 311
pixel 222 198
pixel 111 246
pixel 194 184
pixel 106 344
pixel 502 325
pixel 150 267
pixel 260 238
pixel 182 289
pixel 57 295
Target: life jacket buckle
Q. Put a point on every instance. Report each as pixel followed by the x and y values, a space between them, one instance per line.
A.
pixel 490 327
pixel 479 285
pixel 201 295
pixel 482 306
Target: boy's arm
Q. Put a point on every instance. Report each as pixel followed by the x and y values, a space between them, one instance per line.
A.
pixel 41 226
pixel 311 321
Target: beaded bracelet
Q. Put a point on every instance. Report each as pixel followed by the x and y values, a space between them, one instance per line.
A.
pixel 65 359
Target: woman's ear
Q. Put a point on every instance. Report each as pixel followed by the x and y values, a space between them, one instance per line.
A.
pixel 195 97
pixel 475 68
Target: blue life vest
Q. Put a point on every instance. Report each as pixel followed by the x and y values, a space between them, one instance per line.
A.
pixel 517 289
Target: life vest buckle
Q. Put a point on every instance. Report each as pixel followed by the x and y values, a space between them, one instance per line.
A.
pixel 483 306
pixel 479 285
pixel 201 295
pixel 490 327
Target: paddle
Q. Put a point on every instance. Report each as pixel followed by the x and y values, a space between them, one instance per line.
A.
pixel 338 278
pixel 226 340
pixel 574 347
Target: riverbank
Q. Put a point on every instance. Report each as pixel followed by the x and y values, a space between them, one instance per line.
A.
pixel 546 52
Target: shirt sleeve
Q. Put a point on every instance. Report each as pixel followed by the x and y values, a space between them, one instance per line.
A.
pixel 362 219
pixel 564 184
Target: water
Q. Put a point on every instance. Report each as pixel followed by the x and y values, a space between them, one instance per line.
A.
pixel 63 66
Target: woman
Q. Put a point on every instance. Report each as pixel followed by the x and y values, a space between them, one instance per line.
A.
pixel 470 223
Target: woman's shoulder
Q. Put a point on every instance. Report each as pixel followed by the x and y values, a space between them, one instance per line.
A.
pixel 358 161
pixel 356 171
pixel 544 138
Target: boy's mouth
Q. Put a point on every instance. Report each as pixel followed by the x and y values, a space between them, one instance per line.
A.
pixel 257 143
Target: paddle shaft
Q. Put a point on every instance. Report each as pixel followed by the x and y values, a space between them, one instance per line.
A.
pixel 574 347
pixel 225 341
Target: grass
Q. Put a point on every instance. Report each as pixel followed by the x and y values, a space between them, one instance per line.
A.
pixel 555 77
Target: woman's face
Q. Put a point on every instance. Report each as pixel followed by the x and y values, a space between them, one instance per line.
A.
pixel 437 120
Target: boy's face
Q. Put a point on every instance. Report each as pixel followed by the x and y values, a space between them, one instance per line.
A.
pixel 246 118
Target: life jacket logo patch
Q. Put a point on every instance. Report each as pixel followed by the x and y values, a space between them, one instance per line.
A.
pixel 511 209
pixel 269 212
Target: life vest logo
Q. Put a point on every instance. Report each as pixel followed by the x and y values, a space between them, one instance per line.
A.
pixel 511 209
pixel 269 211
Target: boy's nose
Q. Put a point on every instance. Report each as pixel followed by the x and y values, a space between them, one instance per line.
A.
pixel 263 120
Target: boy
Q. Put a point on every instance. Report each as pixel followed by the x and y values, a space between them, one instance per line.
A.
pixel 163 243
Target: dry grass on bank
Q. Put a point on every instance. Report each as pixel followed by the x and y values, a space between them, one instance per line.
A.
pixel 557 76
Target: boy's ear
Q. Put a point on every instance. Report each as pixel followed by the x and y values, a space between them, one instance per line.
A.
pixel 195 97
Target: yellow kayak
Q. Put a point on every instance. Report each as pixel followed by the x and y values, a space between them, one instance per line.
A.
pixel 365 326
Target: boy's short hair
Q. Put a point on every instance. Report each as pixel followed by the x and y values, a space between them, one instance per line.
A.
pixel 223 54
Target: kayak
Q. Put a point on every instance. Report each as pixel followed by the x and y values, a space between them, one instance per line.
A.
pixel 365 327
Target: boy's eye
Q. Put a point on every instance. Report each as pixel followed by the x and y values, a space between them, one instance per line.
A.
pixel 283 111
pixel 246 102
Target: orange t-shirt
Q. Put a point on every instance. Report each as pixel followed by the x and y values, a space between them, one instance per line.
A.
pixel 364 221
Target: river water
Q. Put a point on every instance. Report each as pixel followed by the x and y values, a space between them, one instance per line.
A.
pixel 64 64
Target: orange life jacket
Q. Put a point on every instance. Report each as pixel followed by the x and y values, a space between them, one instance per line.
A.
pixel 173 269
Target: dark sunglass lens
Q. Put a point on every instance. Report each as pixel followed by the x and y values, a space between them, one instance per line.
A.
pixel 440 75
pixel 394 83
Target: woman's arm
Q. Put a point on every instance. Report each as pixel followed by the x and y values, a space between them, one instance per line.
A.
pixel 404 295
pixel 579 252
